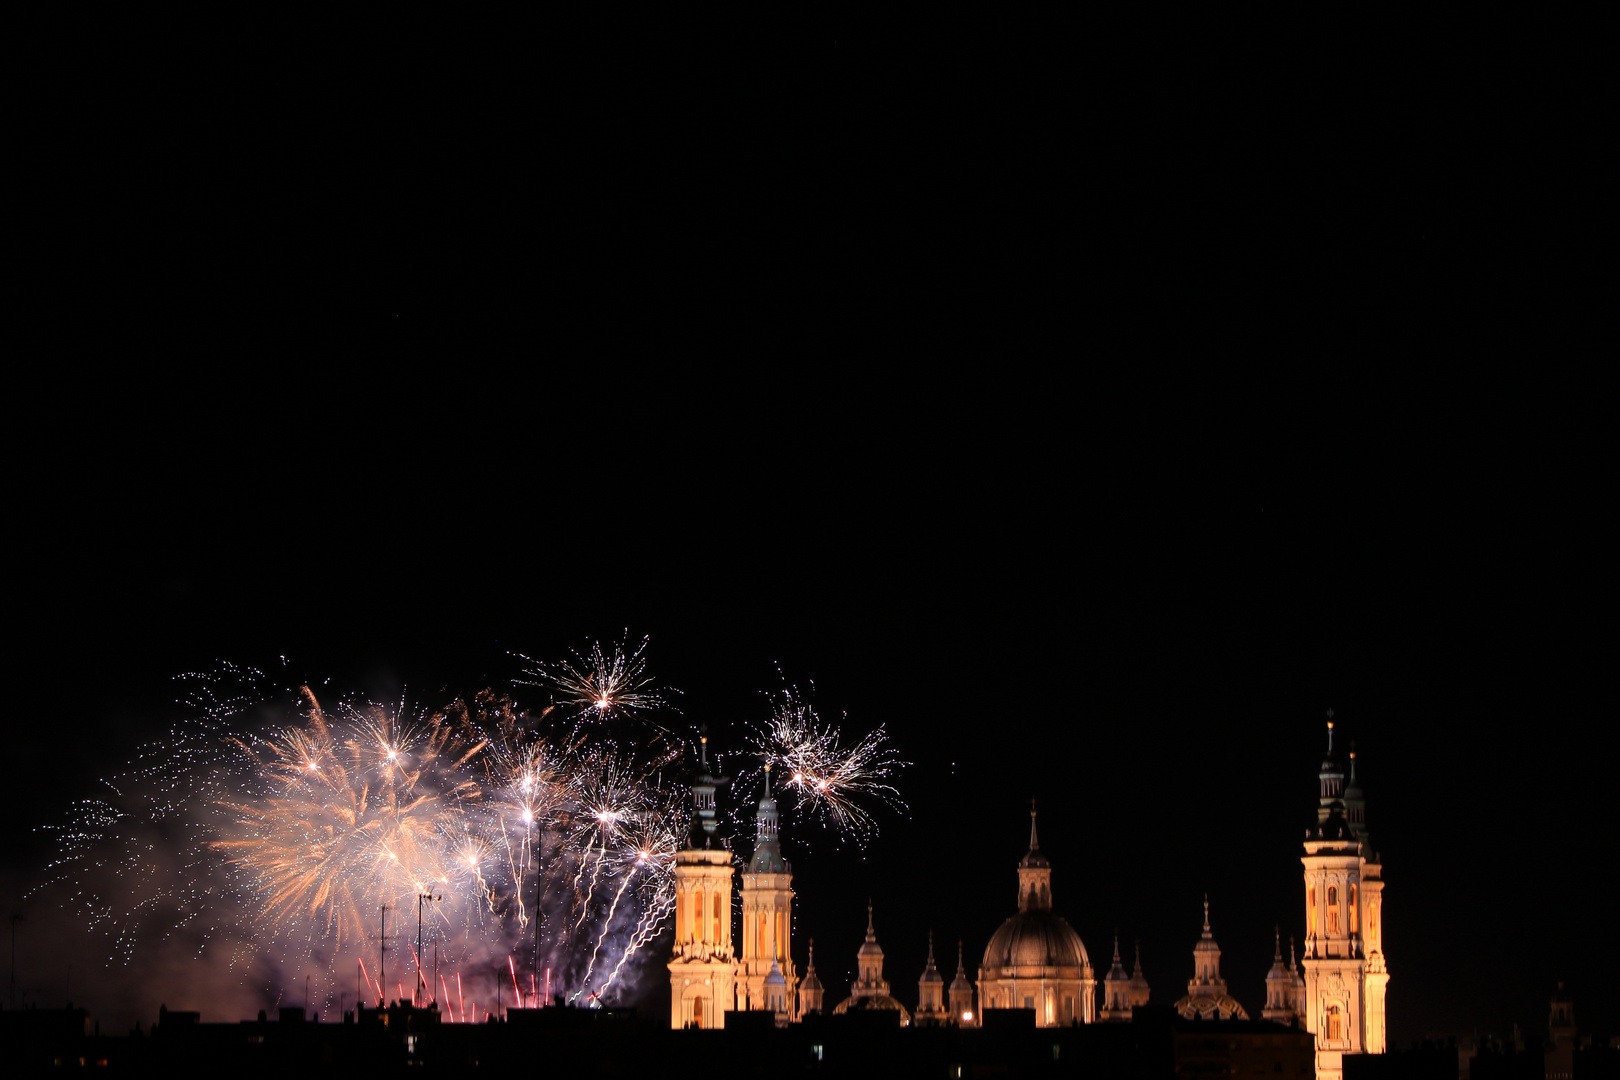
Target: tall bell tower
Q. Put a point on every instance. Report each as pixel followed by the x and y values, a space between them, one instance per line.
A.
pixel 1345 974
pixel 702 970
pixel 767 917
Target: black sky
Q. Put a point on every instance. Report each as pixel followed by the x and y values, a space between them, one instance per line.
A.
pixel 1093 409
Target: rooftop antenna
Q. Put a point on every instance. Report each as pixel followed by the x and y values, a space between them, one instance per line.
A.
pixel 382 956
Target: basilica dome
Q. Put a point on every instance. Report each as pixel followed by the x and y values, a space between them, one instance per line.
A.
pixel 1034 939
pixel 1035 960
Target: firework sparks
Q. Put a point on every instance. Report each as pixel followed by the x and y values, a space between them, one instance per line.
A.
pixel 823 771
pixel 291 823
pixel 601 682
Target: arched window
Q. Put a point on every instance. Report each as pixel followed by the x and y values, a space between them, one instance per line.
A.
pixel 1333 895
pixel 716 937
pixel 1335 1023
pixel 1310 910
pixel 1354 927
pixel 1333 910
pixel 697 916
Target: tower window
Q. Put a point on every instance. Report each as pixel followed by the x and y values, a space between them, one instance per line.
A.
pixel 1310 910
pixel 1335 1023
pixel 716 937
pixel 1353 926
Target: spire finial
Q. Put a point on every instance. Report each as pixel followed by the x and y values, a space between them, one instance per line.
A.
pixel 811 969
pixel 1034 841
pixel 1116 945
pixel 767 779
pixel 930 948
pixel 1330 732
pixel 1277 953
pixel 871 934
pixel 1352 761
pixel 1206 914
pixel 1138 969
pixel 703 746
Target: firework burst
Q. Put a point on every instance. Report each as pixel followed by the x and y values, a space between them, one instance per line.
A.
pixel 275 828
pixel 600 682
pixel 825 772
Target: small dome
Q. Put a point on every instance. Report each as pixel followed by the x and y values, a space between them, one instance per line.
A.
pixel 1034 939
pixel 1034 858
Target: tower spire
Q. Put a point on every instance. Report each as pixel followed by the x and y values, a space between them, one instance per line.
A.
pixel 1034 841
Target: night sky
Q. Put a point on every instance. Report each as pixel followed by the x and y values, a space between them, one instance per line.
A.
pixel 1094 412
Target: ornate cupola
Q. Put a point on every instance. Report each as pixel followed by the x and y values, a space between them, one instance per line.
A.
pixel 931 991
pixel 810 990
pixel 767 836
pixel 776 993
pixel 1355 808
pixel 869 961
pixel 1207 998
pixel 1279 987
pixel 961 992
pixel 871 989
pixel 1034 873
pixel 1330 779
pixel 1139 989
pixel 705 800
pixel 1116 989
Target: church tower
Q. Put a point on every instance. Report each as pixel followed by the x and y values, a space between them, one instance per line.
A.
pixel 767 916
pixel 1345 975
pixel 702 968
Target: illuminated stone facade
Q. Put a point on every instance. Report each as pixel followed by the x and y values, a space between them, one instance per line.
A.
pixel 1345 972
pixel 767 922
pixel 702 971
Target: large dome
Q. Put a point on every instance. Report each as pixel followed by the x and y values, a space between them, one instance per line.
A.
pixel 1034 939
